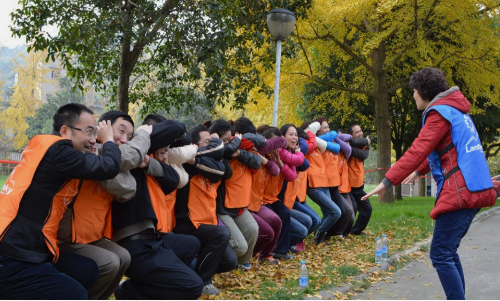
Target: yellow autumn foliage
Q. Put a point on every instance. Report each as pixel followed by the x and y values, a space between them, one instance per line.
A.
pixel 27 96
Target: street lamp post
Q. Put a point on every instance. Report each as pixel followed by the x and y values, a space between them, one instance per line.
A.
pixel 280 23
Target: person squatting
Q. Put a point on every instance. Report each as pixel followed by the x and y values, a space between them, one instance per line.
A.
pixel 169 208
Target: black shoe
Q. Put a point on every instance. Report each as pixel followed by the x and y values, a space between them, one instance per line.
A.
pixel 360 233
pixel 282 256
pixel 319 237
pixel 119 292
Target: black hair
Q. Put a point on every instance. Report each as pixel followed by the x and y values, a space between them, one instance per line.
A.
pixel 269 131
pixel 349 128
pixel 152 119
pixel 220 127
pixel 284 128
pixel 195 133
pixel 302 134
pixel 305 125
pixel 429 82
pixel 321 120
pixel 69 114
pixel 243 125
pixel 114 115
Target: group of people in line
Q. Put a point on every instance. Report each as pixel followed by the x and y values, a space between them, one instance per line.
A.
pixel 169 208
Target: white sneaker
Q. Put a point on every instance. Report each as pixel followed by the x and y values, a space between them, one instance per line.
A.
pixel 210 289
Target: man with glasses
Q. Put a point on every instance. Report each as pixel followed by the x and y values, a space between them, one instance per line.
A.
pixel 34 198
pixel 85 228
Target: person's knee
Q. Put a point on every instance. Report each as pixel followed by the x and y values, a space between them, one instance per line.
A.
pixel 240 247
pixel 124 257
pixel 194 289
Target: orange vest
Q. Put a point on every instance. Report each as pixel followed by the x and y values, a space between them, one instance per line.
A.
pixel 239 186
pixel 345 187
pixel 201 201
pixel 356 172
pixel 91 214
pixel 316 173
pixel 164 210
pixel 332 169
pixel 290 194
pixel 302 186
pixel 259 183
pixel 19 181
pixel 273 188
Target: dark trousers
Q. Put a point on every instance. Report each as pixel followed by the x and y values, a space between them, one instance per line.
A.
pixel 215 255
pixel 363 207
pixel 283 245
pixel 269 231
pixel 159 270
pixel 27 280
pixel 449 230
pixel 78 267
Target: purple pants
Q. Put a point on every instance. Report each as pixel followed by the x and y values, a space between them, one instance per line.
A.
pixel 269 231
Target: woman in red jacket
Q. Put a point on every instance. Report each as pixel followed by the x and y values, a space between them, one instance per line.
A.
pixel 449 141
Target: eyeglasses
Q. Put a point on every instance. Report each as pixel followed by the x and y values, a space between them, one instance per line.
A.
pixel 206 141
pixel 88 132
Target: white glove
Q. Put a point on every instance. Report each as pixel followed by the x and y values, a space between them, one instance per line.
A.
pixel 321 144
pixel 314 127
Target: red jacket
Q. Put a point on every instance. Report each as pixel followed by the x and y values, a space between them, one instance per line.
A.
pixel 436 135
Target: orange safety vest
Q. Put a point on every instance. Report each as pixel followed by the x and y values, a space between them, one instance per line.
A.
pixel 332 169
pixel 239 186
pixel 302 185
pixel 91 218
pixel 356 172
pixel 201 201
pixel 345 187
pixel 290 194
pixel 259 183
pixel 19 181
pixel 273 188
pixel 164 210
pixel 316 173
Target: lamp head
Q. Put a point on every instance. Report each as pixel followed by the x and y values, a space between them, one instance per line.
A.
pixel 280 23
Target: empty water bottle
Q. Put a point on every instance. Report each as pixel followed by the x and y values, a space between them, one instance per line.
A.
pixel 384 247
pixel 303 275
pixel 378 250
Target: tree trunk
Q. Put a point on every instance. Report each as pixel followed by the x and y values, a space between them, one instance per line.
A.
pixel 399 153
pixel 422 188
pixel 125 63
pixel 382 118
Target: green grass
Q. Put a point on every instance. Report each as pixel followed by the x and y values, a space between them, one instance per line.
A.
pixel 3 178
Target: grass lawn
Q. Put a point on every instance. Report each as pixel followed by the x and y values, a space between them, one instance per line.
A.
pixel 404 222
pixel 3 178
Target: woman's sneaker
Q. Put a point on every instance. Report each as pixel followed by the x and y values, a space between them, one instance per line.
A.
pixel 210 289
pixel 247 266
pixel 268 259
pixel 299 247
pixel 281 256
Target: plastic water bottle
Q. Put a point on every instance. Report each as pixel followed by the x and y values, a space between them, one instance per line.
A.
pixel 378 250
pixel 384 247
pixel 303 275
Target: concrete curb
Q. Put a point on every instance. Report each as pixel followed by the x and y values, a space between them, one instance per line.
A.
pixel 384 266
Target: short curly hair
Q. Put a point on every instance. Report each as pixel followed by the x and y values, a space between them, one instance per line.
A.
pixel 429 82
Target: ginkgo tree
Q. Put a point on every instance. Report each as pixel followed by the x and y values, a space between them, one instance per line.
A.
pixel 383 42
pixel 27 96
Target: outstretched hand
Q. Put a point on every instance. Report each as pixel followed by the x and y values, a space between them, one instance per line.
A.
pixel 380 190
pixel 410 178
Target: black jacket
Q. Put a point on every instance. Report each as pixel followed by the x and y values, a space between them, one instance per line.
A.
pixel 24 239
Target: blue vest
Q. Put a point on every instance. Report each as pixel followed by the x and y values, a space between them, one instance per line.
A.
pixel 470 157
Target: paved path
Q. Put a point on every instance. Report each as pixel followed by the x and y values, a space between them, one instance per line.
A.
pixel 480 256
